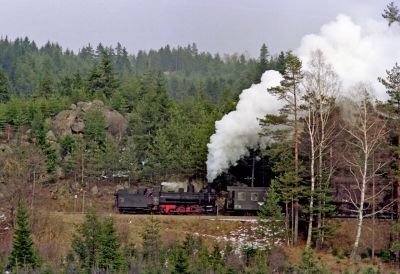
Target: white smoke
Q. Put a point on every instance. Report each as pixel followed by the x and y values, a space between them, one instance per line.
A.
pixel 238 131
pixel 357 52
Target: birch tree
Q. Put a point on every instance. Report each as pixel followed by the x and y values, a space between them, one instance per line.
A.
pixel 366 135
pixel 321 85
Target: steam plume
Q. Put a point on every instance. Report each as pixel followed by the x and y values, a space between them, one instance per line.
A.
pixel 357 53
pixel 239 130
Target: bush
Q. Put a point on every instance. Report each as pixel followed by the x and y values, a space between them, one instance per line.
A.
pixel 335 252
pixel 385 256
pixel 364 255
pixel 249 253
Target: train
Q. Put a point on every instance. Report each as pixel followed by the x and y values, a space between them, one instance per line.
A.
pixel 237 200
pixel 243 200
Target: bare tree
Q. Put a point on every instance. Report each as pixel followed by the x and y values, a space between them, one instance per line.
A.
pixel 366 135
pixel 311 129
pixel 18 168
pixel 321 85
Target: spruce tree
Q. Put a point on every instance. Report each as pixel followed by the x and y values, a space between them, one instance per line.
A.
pixel 262 64
pixel 270 217
pixel 110 257
pixel 102 81
pixel 5 89
pixel 46 88
pixel 22 254
pixel 85 244
pixel 181 264
pixel 215 258
pixel 151 240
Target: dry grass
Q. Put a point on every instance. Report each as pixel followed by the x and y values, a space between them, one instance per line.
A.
pixel 345 235
pixel 56 217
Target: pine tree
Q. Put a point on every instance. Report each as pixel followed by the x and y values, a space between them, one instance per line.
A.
pixel 392 85
pixel 22 254
pixel 391 13
pixel 289 91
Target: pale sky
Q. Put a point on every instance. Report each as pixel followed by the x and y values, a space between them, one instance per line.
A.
pixel 224 26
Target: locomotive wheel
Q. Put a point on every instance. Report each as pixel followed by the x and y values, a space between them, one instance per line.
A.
pixel 181 210
pixel 194 209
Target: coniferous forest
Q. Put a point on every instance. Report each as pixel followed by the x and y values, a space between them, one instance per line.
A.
pixel 79 127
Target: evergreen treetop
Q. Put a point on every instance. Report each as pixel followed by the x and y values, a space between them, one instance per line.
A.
pixel 22 255
pixel 391 13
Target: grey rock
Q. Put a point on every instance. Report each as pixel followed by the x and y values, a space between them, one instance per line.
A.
pixel 94 190
pixel 78 126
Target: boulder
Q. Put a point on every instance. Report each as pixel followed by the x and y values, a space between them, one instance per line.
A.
pixel 78 126
pixel 84 106
pixel 63 121
pixel 71 121
pixel 94 190
pixel 98 103
pixel 116 124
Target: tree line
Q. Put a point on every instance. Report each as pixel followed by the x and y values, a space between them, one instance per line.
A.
pixel 170 109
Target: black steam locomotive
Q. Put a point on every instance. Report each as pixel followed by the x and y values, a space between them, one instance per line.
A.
pixel 237 199
pixel 244 200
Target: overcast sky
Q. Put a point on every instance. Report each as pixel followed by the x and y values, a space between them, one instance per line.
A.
pixel 224 26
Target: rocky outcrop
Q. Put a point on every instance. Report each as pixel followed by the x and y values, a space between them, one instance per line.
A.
pixel 71 121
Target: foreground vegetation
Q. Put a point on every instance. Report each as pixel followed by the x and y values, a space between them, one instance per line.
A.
pixel 74 243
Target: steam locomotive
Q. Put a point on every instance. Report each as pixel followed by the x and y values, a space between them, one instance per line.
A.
pixel 238 200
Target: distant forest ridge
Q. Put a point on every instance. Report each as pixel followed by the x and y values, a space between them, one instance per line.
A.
pixel 26 65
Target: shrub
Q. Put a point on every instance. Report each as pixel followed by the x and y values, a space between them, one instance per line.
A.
pixel 364 255
pixel 385 256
